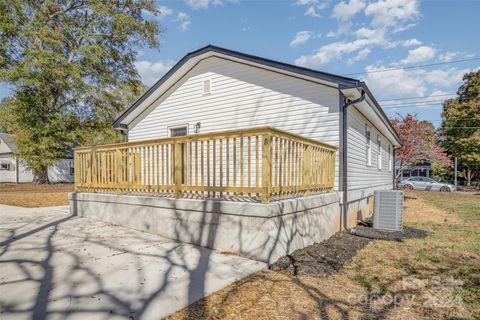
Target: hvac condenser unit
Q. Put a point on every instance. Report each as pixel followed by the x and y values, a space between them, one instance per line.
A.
pixel 388 210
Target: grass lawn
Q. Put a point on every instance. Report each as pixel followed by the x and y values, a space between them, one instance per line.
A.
pixel 437 277
pixel 32 195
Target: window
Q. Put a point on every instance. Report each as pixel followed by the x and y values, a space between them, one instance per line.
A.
pixel 368 143
pixel 179 131
pixel 4 166
pixel 379 154
pixel 206 86
pixel 389 158
pixel 72 171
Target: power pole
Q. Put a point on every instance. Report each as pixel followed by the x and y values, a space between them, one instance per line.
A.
pixel 455 181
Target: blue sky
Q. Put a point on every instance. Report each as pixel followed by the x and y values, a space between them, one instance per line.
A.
pixel 351 36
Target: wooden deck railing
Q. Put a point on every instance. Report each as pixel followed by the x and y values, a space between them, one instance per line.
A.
pixel 258 163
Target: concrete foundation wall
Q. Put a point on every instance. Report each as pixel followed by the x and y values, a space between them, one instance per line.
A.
pixel 257 231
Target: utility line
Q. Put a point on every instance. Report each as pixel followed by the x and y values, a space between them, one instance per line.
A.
pixel 411 106
pixel 411 67
pixel 418 97
pixel 460 128
pixel 413 103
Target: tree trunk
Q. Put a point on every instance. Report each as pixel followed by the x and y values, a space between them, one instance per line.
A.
pixel 469 177
pixel 41 177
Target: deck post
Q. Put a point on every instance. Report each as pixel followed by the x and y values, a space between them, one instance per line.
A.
pixel 331 180
pixel 94 169
pixel 266 166
pixel 177 169
pixel 119 166
pixel 307 169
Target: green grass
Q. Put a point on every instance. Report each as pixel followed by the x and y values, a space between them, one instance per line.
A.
pixel 465 205
pixel 450 252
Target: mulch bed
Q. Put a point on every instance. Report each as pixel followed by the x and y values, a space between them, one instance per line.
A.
pixel 329 256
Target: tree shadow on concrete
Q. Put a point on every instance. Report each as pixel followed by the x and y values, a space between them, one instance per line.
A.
pixel 74 266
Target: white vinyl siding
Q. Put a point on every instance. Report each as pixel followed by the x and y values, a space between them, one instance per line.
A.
pixel 242 96
pixel 363 179
pixel 389 157
pixel 368 142
pixel 379 153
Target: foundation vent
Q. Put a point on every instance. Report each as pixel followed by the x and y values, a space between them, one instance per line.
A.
pixel 388 210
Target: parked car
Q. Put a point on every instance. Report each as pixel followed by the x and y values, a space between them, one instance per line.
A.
pixel 424 183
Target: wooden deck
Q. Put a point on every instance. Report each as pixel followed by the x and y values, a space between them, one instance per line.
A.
pixel 254 163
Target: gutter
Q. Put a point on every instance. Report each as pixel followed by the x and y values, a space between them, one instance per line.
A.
pixel 344 108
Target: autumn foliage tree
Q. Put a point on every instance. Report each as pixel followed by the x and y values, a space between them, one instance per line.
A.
pixel 420 143
pixel 461 126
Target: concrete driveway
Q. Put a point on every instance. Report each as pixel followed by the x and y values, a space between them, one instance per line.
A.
pixel 57 266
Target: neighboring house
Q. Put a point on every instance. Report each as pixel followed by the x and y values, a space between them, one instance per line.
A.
pixel 215 89
pixel 418 170
pixel 13 170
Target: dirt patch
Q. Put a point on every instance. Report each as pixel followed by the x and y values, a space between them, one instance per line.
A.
pixel 329 256
pixel 31 195
pixel 322 258
pixel 406 233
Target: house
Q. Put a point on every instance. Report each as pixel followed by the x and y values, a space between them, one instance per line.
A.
pixel 419 170
pixel 258 157
pixel 13 170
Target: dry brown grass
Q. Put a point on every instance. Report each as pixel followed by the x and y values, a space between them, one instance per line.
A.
pixel 434 278
pixel 32 195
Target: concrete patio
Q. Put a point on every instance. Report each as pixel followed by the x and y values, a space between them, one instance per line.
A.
pixel 57 266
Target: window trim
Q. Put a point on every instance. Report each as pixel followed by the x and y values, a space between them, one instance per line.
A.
pixel 170 128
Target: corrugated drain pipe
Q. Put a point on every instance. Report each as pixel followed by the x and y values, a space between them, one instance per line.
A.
pixel 344 156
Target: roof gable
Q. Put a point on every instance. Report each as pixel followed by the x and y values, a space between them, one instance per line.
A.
pixel 7 139
pixel 193 58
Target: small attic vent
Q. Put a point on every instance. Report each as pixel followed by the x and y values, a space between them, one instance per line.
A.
pixel 206 86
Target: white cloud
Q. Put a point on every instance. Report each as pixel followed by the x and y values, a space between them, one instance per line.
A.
pixel 344 11
pixel 164 11
pixel 447 56
pixel 394 83
pixel 151 72
pixel 312 12
pixel 392 13
pixel 413 82
pixel 411 43
pixel 314 6
pixel 204 4
pixel 436 97
pixel 445 78
pixel 184 20
pixel 419 54
pixel 362 54
pixel 334 50
pixel 300 38
pixel 198 4
pixel 401 28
